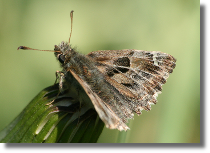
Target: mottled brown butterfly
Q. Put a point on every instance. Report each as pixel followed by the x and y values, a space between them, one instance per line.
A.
pixel 118 82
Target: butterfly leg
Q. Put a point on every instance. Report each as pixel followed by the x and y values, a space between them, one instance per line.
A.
pixel 61 80
pixel 57 75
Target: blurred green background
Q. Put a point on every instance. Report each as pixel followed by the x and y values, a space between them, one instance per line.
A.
pixel 154 25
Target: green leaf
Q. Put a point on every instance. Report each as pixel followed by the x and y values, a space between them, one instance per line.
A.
pixel 47 121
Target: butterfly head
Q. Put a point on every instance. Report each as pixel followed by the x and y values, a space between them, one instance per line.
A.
pixel 63 52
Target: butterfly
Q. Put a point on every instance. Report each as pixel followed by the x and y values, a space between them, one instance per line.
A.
pixel 119 83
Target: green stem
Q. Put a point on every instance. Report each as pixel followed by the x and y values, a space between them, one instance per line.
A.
pixel 61 121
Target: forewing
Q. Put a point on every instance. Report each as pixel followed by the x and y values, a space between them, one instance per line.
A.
pixel 121 82
pixel 108 114
pixel 135 73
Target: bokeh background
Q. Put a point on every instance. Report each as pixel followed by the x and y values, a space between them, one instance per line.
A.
pixel 154 25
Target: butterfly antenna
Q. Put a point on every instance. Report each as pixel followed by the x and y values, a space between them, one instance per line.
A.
pixel 28 48
pixel 71 16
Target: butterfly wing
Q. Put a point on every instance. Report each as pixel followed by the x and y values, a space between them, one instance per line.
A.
pixel 137 74
pixel 104 111
pixel 121 82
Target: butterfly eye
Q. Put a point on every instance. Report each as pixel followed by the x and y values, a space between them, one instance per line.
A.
pixel 61 58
